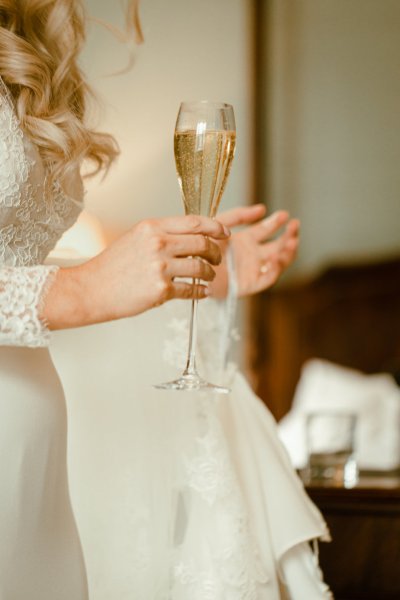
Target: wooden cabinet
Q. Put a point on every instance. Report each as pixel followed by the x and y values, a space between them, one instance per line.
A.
pixel 363 560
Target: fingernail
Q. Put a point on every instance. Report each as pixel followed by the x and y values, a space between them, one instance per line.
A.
pixel 226 231
pixel 274 217
pixel 207 291
pixel 267 220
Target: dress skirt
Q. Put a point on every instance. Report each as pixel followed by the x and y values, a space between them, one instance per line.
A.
pixel 180 496
pixel 40 551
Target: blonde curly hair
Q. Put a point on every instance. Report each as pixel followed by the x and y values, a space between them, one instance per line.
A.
pixel 40 41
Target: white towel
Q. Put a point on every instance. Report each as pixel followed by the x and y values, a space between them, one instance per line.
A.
pixel 375 399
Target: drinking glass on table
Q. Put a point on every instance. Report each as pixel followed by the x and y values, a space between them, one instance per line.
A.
pixel 204 146
pixel 330 447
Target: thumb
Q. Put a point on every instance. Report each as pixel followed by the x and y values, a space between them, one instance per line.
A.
pixel 242 215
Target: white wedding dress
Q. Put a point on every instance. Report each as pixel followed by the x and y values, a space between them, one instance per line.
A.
pixel 40 552
pixel 212 508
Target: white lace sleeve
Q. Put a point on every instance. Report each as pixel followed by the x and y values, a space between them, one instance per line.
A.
pixel 22 291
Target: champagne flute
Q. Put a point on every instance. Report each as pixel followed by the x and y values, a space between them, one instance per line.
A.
pixel 204 145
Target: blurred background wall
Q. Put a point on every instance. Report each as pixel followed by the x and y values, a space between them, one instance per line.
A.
pixel 331 87
pixel 328 150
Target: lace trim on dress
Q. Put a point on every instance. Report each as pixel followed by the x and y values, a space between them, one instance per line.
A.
pixel 22 293
pixel 234 570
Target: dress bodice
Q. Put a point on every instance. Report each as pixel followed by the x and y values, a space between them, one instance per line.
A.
pixel 34 213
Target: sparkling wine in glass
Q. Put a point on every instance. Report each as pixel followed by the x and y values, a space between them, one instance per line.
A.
pixel 204 146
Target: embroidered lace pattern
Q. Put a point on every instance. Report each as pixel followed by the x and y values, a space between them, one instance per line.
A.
pixel 234 570
pixel 21 293
pixel 33 216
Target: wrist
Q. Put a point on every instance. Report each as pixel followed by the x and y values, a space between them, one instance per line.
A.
pixel 70 301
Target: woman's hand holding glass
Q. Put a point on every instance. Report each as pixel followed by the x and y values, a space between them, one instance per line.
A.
pixel 137 272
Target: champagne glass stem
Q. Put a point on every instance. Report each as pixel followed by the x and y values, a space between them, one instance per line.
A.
pixel 191 357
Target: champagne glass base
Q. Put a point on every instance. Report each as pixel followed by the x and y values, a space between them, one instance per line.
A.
pixel 192 383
